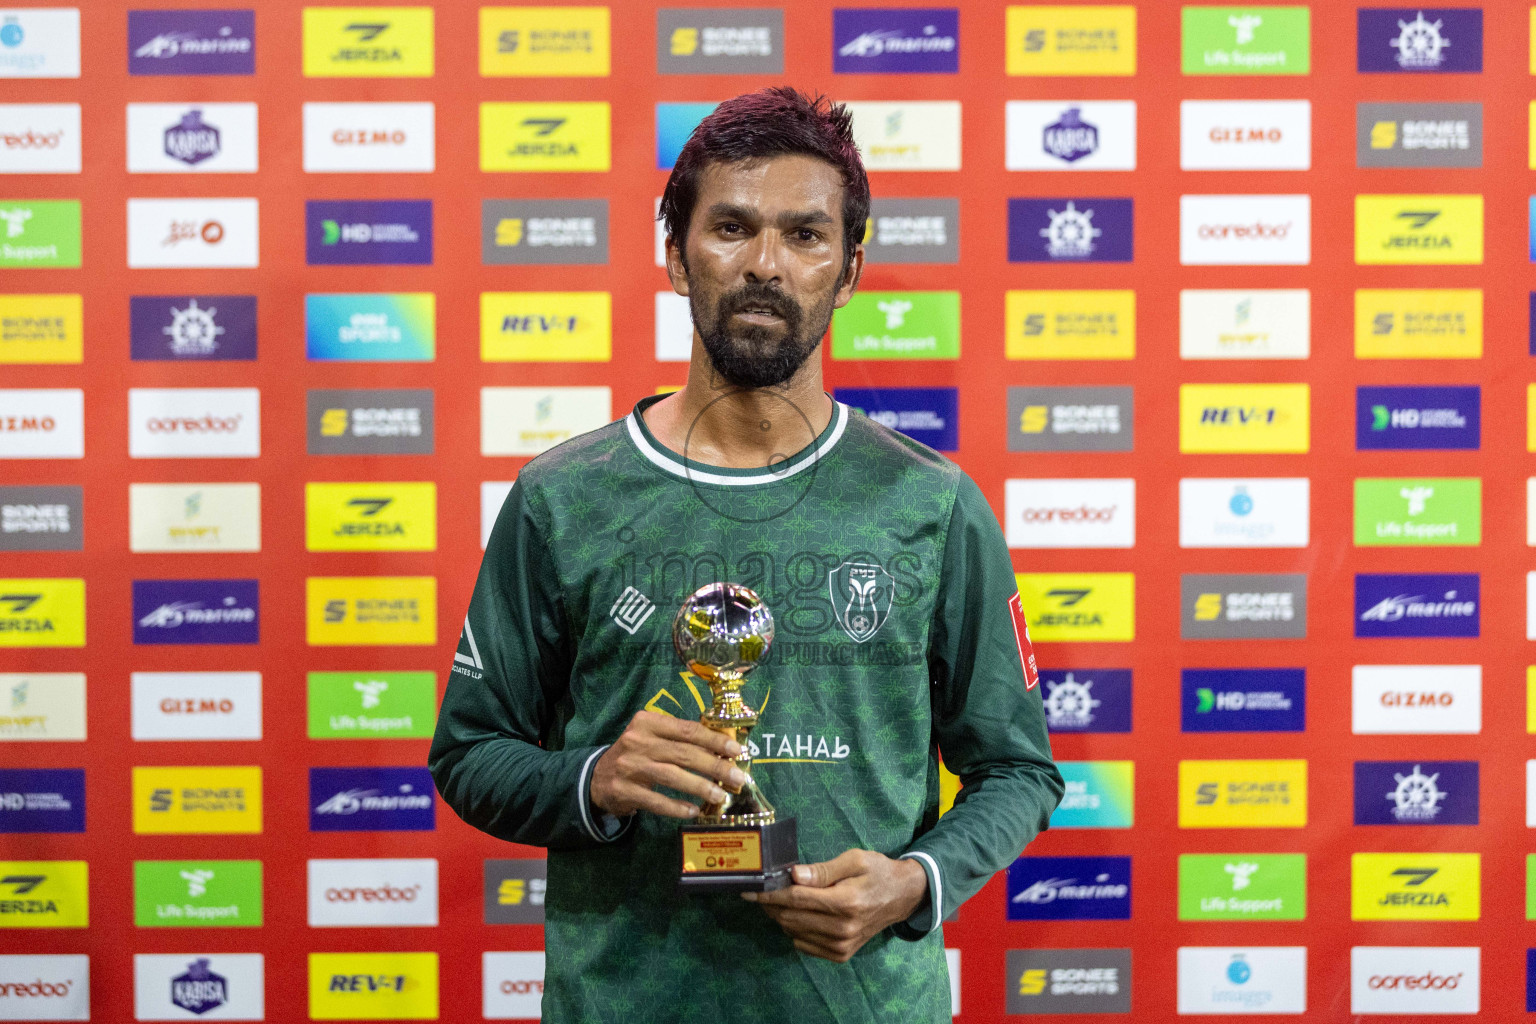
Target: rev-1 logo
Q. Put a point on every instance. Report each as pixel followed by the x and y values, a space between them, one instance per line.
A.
pixel 367 983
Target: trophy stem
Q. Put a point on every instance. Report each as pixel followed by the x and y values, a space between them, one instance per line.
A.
pixel 730 716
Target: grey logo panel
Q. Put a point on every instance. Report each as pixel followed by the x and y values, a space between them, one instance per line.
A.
pixel 1071 419
pixel 913 231
pixel 41 518
pixel 1419 134
pixel 720 41
pixel 514 891
pixel 550 231
pixel 1233 606
pixel 1068 981
pixel 370 422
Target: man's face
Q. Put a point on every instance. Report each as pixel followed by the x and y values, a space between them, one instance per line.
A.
pixel 765 265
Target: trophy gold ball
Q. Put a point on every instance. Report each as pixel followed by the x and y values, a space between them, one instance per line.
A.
pixel 723 629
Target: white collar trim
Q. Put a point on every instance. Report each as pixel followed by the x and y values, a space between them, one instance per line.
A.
pixel 667 461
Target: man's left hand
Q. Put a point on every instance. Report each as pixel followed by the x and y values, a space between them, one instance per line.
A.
pixel 834 907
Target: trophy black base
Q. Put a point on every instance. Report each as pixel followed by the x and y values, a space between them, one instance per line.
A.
pixel 737 858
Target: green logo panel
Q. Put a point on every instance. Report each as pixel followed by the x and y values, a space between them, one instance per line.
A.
pixel 1247 40
pixel 898 325
pixel 39 233
pixel 1530 887
pixel 1397 512
pixel 197 893
pixel 1243 887
pixel 372 705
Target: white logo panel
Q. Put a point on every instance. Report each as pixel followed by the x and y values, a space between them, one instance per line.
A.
pixel 1071 513
pixel 1245 135
pixel 910 136
pixel 45 987
pixel 198 986
pixel 1243 230
pixel 1253 323
pixel 369 137
pixel 493 495
pixel 1414 979
pixel 527 421
pixel 1417 699
pixel 186 233
pixel 194 517
pixel 42 423
pixel 373 893
pixel 39 138
pixel 40 42
pixel 1071 135
pixel 196 705
pixel 513 986
pixel 1242 979
pixel 192 138
pixel 1250 512
pixel 194 423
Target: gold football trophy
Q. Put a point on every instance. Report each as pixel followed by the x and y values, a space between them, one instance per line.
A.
pixel 722 632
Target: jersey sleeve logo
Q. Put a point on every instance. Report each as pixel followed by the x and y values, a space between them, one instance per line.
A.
pixel 466 660
pixel 1021 637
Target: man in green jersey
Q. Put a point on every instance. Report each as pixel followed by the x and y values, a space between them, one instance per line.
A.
pixel 569 723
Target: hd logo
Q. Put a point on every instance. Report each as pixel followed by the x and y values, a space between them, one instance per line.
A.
pixel 371 610
pixel 1427 229
pixel 1079 606
pixel 1242 794
pixel 368 42
pixel 544 137
pixel 42 613
pixel 43 894
pixel 373 986
pixel 370 517
pixel 1415 887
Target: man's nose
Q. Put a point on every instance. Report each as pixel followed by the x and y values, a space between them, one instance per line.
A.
pixel 762 263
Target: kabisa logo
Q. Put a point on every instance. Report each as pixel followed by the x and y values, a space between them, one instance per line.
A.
pixel 373 422
pixel 896 41
pixel 1419 39
pixel 192 42
pixel 929 415
pixel 1243 606
pixel 42 800
pixel 196 612
pixel 200 989
pixel 46 518
pixel 361 231
pixel 1244 699
pixel 543 231
pixel 1069 888
pixel 545 136
pixel 1074 230
pixel 1415 887
pixel 1059 981
pixel 1070 138
pixel 371 800
pixel 1416 793
pixel 1418 418
pixel 192 327
pixel 191 140
pixel 1076 135
pixel 1417 605
pixel 1087 700
pixel 720 40
pixel 368 42
pixel 514 891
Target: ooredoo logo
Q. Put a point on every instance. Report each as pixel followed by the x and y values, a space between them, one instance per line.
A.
pixel 45 987
pixel 372 892
pixel 1070 513
pixel 1244 230
pixel 194 423
pixel 1415 979
pixel 513 987
pixel 39 138
pixel 1258 229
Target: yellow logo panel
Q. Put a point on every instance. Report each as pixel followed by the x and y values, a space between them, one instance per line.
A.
pixel 371 611
pixel 1070 325
pixel 42 613
pixel 1415 887
pixel 1530 698
pixel 1530 417
pixel 196 800
pixel 1084 606
pixel 370 517
pixel 1244 417
pixel 1432 229
pixel 41 329
pixel 1422 323
pixel 368 42
pixel 546 327
pixel 544 137
pixel 373 986
pixel 1242 794
pixel 1531 122
pixel 553 42
pixel 1061 40
pixel 44 894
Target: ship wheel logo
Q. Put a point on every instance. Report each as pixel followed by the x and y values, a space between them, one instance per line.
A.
pixel 1070 234
pixel 1419 43
pixel 1070 703
pixel 193 330
pixel 1416 797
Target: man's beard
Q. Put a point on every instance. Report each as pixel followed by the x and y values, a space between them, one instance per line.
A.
pixel 746 355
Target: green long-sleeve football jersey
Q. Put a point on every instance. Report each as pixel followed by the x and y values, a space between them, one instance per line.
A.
pixel 898 638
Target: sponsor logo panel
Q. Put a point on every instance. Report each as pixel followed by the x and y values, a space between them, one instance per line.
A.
pixel 183 986
pixel 1416 792
pixel 42 612
pixel 194 423
pixel 909 136
pixel 192 42
pixel 370 516
pixel 515 891
pixel 1417 605
pixel 544 231
pixel 197 893
pixel 1099 794
pixel 372 799
pixel 192 327
pixel 541 327
pixel 512 985
pixel 720 41
pixel 1418 135
pixel 368 42
pixel 1430 323
pixel 1244 512
pixel 42 518
pixel 1397 512
pixel 370 610
pixel 43 894
pixel 1242 887
pixel 373 893
pixel 928 415
pixel 1053 40
pixel 193 233
pixel 1068 981
pixel 1414 979
pixel 41 329
pixel 1242 794
pixel 1415 886
pixel 1245 135
pixel 1245 417
pixel 1418 418
pixel 1242 606
pixel 38 138
pixel 360 232
pixel 372 705
pixel 1083 606
pixel 1428 229
pixel 1245 230
pixel 545 137
pixel 920 40
pixel 196 705
pixel 913 231
pixel 1416 40
pixel 186 800
pixel 1417 699
pixel 370 422
pixel 1070 513
pixel 1242 979
pixel 45 987
pixel 1070 230
pixel 493 494
pixel 1087 700
pixel 42 800
pixel 1247 40
pixel 194 517
pixel 369 138
pixel 201 138
pixel 39 233
pixel 1244 699
pixel 1255 323
pixel 1071 419
pixel 196 611
pixel 42 706
pixel 1070 325
pixel 40 43
pixel 373 986
pixel 564 42
pixel 1069 888
pixel 675 122
pixel 527 421
pixel 371 327
pixel 1070 135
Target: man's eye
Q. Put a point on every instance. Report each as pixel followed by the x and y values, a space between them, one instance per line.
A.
pixel 730 228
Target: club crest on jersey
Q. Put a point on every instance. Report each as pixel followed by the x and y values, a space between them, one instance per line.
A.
pixel 861 598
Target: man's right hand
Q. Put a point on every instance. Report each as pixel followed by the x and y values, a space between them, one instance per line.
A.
pixel 659 750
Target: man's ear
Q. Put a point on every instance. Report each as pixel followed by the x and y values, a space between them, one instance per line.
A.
pixel 850 281
pixel 677 270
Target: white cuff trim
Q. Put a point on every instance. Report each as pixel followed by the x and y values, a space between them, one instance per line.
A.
pixel 935 885
pixel 600 835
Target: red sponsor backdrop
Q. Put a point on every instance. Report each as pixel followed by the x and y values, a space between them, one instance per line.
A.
pixel 982 275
